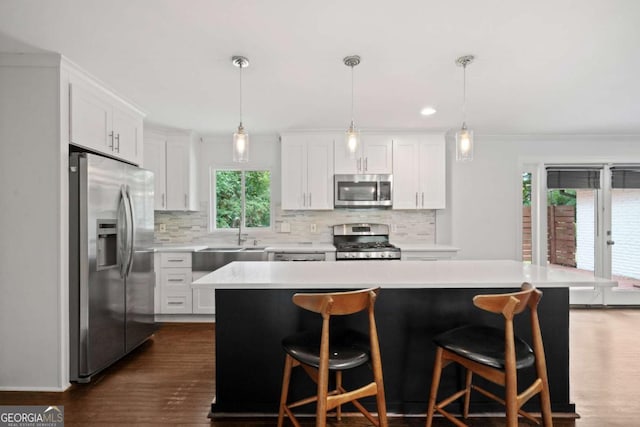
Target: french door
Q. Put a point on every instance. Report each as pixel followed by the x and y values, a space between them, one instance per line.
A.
pixel 591 225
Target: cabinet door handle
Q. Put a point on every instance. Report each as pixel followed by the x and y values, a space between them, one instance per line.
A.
pixel 163 200
pixel 304 199
pixel 366 164
pixel 359 164
pixel 175 280
pixel 175 260
pixel 186 201
pixel 309 199
pixel 416 199
pixel 111 136
pixel 117 146
pixel 174 303
pixel 423 199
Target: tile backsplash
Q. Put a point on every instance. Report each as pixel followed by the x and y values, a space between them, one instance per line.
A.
pixel 193 227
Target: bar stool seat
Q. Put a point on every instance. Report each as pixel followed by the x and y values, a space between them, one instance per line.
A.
pixel 347 349
pixel 485 345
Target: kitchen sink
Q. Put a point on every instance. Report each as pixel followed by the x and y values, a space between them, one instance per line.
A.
pixel 210 259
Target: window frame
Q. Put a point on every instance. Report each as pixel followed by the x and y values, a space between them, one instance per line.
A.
pixel 213 205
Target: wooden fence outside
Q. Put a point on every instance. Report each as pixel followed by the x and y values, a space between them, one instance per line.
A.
pixel 561 235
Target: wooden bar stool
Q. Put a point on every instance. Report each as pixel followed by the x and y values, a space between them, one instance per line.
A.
pixel 319 353
pixel 496 355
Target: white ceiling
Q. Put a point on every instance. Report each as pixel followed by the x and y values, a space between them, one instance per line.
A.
pixel 542 67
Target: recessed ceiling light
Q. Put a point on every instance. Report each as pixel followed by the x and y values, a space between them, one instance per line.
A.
pixel 428 111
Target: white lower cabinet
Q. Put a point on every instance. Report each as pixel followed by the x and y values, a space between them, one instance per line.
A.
pixel 175 283
pixel 204 300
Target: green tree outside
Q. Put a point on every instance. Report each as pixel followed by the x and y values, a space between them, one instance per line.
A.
pixel 229 198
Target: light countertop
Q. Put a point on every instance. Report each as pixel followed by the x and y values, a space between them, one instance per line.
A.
pixel 184 247
pixel 425 247
pixel 300 247
pixel 405 274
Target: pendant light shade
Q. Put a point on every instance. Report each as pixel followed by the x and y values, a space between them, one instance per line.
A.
pixel 464 137
pixel 353 135
pixel 240 137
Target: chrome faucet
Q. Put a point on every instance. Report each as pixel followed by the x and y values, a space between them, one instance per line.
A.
pixel 237 222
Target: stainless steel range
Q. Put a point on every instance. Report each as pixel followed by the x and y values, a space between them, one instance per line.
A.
pixel 363 242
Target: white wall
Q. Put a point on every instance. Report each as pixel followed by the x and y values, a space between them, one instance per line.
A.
pixel 32 263
pixel 485 194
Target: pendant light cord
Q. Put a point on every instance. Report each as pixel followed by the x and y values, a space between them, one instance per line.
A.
pixel 464 93
pixel 241 94
pixel 352 94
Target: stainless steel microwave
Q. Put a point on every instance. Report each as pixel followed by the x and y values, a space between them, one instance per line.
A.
pixel 362 191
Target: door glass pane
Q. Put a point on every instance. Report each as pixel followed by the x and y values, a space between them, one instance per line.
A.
pixel 526 217
pixel 571 226
pixel 625 232
pixel 258 198
pixel 228 198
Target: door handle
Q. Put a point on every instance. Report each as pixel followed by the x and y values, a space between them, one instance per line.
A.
pixel 111 136
pixel 366 164
pixel 117 147
pixel 610 242
pixel 132 224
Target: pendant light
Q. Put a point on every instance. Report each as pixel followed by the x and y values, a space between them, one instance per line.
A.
pixel 240 137
pixel 353 136
pixel 464 137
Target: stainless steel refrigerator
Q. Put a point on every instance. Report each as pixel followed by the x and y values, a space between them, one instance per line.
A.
pixel 111 275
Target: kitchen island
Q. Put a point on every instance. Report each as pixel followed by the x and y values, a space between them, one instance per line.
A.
pixel 417 301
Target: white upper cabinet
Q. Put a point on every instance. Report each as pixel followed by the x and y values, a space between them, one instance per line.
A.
pixel 419 178
pixel 172 157
pixel 155 160
pixel 374 157
pixel 103 123
pixel 307 171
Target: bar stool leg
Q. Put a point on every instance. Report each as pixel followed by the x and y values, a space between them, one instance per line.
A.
pixel 435 383
pixel 467 395
pixel 339 388
pixel 288 364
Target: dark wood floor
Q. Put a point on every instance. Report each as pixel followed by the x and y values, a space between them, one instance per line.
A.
pixel 170 381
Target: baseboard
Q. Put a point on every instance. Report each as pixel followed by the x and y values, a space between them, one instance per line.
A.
pixel 185 318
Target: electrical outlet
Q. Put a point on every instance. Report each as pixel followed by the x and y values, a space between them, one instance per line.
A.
pixel 162 228
pixel 313 228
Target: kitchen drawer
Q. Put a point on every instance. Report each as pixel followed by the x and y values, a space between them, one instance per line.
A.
pixel 176 302
pixel 177 259
pixel 175 279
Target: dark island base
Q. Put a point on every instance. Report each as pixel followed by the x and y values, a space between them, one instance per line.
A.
pixel 251 323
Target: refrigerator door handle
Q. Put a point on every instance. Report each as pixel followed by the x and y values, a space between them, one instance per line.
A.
pixel 123 232
pixel 132 225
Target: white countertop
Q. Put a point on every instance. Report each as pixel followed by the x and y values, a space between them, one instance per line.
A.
pixel 425 247
pixel 184 247
pixel 404 274
pixel 300 247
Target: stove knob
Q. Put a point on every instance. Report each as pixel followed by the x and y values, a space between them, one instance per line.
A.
pixel 383 255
